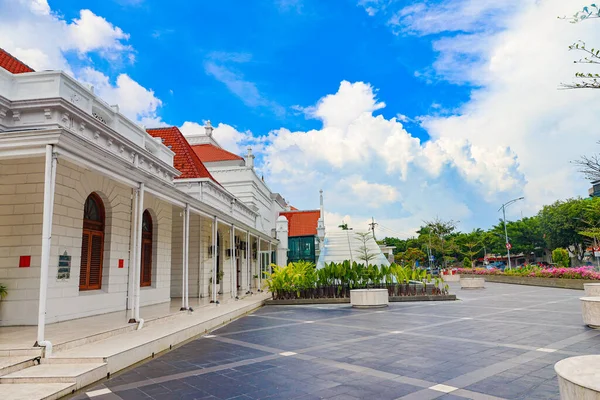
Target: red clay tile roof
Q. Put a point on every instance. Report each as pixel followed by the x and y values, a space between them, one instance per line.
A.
pixel 212 153
pixel 302 223
pixel 185 160
pixel 11 64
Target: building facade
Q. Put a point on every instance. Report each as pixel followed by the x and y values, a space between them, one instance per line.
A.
pixel 99 215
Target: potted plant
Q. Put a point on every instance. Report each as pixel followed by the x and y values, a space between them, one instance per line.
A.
pixel 3 291
pixel 210 281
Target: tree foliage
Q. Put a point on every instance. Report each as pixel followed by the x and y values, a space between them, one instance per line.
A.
pixel 410 256
pixel 561 257
pixel 585 80
pixel 572 224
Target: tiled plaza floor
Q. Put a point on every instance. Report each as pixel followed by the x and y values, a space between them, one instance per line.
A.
pixel 498 343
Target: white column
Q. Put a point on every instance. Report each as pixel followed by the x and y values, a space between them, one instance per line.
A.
pixel 138 256
pixel 49 184
pixel 201 264
pixel 186 250
pixel 214 256
pixel 233 266
pixel 259 265
pixel 248 261
pixel 133 256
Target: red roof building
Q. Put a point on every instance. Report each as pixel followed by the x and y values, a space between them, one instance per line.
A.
pixel 302 223
pixel 212 153
pixel 12 64
pixel 185 159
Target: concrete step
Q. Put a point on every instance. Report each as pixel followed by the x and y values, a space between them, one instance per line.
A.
pixel 131 347
pixel 71 344
pixel 79 360
pixel 33 352
pixel 81 374
pixel 35 391
pixel 16 363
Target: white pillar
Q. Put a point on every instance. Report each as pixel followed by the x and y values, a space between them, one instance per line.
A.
pixel 138 256
pixel 186 257
pixel 248 261
pixel 259 264
pixel 214 256
pixel 233 266
pixel 133 256
pixel 281 228
pixel 201 263
pixel 49 184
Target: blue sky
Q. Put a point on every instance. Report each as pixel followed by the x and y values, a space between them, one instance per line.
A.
pixel 402 110
pixel 292 54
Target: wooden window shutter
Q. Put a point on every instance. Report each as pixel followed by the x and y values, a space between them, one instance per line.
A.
pixel 85 258
pixel 92 244
pixel 146 272
pixel 96 250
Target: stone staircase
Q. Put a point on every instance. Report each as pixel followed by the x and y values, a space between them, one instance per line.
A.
pixel 345 245
pixel 78 363
pixel 30 377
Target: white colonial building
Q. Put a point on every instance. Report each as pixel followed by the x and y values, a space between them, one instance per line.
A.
pixel 99 215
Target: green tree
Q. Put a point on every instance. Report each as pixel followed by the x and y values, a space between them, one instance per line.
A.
pixel 411 256
pixel 525 236
pixel 563 221
pixel 442 238
pixel 467 263
pixel 561 257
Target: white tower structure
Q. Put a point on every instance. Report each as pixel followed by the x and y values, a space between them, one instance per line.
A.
pixel 321 224
pixel 282 231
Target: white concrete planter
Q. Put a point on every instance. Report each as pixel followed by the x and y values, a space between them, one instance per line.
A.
pixel 451 278
pixel 472 283
pixel 579 378
pixel 590 309
pixel 591 289
pixel 369 298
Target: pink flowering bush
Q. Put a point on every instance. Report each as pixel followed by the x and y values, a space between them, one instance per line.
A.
pixel 537 272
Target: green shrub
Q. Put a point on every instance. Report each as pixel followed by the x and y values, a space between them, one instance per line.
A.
pixel 3 291
pixel 561 257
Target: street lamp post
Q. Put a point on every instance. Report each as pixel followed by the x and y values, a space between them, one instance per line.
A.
pixel 503 208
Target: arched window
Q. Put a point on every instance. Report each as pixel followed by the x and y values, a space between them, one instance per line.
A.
pixel 146 272
pixel 92 244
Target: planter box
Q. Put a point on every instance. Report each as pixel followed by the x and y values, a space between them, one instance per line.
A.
pixel 451 278
pixel 591 289
pixel 590 309
pixel 369 298
pixel 526 280
pixel 472 283
pixel 579 378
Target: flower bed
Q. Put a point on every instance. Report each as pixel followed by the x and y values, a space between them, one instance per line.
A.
pixel 586 273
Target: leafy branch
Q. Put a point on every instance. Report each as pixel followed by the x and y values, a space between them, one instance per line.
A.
pixel 589 166
pixel 593 11
pixel 584 80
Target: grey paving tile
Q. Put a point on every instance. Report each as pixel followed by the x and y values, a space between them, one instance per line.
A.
pixel 484 345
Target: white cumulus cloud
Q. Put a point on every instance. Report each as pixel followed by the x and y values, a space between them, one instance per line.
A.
pixel 32 32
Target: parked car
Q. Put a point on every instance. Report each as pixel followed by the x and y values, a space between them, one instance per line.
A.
pixel 496 265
